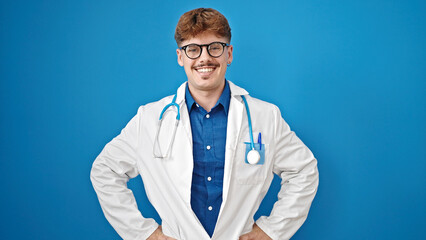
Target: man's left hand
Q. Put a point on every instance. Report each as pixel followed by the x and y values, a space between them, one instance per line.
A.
pixel 255 234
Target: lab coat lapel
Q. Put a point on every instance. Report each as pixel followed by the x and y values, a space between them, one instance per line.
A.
pixel 235 118
pixel 182 153
pixel 179 162
pixel 186 123
pixel 186 157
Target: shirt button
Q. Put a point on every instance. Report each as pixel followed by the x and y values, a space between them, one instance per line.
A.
pixel 208 116
pixel 209 179
pixel 197 105
pixel 210 208
pixel 208 147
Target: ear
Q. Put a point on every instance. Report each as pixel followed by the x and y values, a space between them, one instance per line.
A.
pixel 179 57
pixel 230 56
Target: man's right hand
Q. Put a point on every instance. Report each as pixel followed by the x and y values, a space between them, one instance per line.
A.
pixel 159 235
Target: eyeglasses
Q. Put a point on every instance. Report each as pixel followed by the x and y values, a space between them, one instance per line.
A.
pixel 214 49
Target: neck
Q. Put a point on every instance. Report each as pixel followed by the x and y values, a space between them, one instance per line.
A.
pixel 207 98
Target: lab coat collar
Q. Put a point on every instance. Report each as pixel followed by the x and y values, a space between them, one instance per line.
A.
pixel 235 91
pixel 223 100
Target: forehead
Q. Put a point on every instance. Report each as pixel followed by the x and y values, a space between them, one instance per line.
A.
pixel 204 38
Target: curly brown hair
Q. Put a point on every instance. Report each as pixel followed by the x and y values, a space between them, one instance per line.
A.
pixel 202 20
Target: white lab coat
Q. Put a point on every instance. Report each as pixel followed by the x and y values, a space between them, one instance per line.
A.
pixel 168 181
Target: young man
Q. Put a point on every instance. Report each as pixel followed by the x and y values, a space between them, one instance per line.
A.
pixel 201 167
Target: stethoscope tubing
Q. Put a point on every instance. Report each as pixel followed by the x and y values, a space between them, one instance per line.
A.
pixel 173 103
pixel 249 122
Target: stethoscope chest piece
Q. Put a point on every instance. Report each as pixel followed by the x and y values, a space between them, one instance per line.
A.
pixel 253 157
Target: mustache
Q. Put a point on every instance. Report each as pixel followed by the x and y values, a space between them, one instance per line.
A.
pixel 206 65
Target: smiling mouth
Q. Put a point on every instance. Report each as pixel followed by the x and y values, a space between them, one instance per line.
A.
pixel 205 69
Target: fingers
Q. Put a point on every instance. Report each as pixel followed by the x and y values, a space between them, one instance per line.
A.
pixel 245 237
pixel 164 237
pixel 255 234
pixel 159 235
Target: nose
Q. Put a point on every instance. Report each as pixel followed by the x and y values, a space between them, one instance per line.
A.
pixel 205 56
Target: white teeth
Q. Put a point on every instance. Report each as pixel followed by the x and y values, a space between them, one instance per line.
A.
pixel 203 70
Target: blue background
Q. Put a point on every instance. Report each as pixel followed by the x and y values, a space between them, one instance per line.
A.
pixel 349 77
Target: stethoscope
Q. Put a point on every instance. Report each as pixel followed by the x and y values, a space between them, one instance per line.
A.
pixel 253 156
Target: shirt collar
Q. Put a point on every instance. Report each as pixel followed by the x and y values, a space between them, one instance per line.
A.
pixel 224 98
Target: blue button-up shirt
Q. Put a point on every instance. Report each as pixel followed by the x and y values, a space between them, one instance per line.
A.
pixel 209 139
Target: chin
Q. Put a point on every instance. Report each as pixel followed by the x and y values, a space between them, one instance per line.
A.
pixel 206 83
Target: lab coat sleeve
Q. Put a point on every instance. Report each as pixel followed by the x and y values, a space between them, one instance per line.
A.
pixel 297 167
pixel 111 171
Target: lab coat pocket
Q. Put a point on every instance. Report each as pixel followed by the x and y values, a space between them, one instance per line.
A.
pixel 247 173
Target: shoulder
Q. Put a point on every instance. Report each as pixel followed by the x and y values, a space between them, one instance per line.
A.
pixel 253 102
pixel 260 103
pixel 261 106
pixel 257 107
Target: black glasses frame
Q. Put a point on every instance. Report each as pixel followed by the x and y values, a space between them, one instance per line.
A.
pixel 201 47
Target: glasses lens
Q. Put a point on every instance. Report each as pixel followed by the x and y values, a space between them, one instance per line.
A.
pixel 215 49
pixel 193 51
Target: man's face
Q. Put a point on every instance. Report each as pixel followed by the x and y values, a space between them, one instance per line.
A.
pixel 205 73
